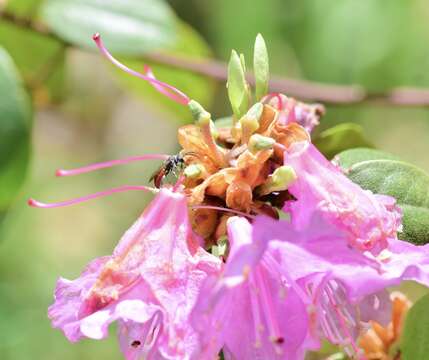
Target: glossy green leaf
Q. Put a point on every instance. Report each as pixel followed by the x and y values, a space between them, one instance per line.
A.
pixel 409 185
pixel 341 137
pixel 15 123
pixel 198 87
pixel 414 341
pixel 238 89
pixel 129 27
pixel 354 156
pixel 261 67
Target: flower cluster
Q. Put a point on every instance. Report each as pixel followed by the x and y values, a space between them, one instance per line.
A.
pixel 209 266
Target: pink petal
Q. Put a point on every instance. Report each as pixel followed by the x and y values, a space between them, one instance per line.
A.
pixel 233 308
pixel 369 220
pixel 149 284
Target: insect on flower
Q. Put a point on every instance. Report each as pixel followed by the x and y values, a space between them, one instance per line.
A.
pixel 189 278
pixel 169 166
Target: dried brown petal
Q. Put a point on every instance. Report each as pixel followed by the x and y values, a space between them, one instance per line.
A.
pixel 239 196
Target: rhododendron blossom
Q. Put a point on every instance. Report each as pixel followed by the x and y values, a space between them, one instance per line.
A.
pixel 344 286
pixel 250 310
pixel 209 267
pixel 149 285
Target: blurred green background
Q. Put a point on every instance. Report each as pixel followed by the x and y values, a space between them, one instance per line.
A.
pixel 72 108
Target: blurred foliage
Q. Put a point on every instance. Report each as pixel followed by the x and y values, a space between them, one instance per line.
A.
pixel 130 27
pixel 15 125
pixel 378 44
pixel 339 138
pixel 414 344
pixel 43 71
pixel 24 7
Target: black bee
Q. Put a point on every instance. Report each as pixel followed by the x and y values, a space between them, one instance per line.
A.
pixel 169 166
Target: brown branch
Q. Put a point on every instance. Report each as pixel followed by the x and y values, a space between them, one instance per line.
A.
pixel 302 89
pixel 306 90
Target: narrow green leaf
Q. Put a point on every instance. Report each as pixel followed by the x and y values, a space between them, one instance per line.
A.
pixel 129 27
pixel 15 123
pixel 414 342
pixel 383 174
pixel 261 67
pixel 238 89
pixel 339 138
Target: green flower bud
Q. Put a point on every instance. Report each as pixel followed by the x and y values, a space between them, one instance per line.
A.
pixel 258 142
pixel 197 111
pixel 279 180
pixel 193 171
pixel 250 121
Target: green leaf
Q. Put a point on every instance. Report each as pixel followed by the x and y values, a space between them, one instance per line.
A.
pixel 353 43
pixel 339 138
pixel 261 67
pixel 23 7
pixel 197 87
pixel 414 341
pixel 354 156
pixel 238 89
pixel 384 174
pixel 15 123
pixel 129 27
pixel 44 70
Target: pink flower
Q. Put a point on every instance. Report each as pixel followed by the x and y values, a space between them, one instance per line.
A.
pixel 250 309
pixel 342 286
pixel 293 111
pixel 369 220
pixel 149 285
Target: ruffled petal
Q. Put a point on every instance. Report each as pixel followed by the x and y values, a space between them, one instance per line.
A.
pixel 149 284
pixel 369 220
pixel 249 310
pixel 345 286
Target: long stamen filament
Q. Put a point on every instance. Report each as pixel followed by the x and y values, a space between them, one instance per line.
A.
pixel 103 165
pixel 256 314
pixel 268 307
pixel 179 97
pixel 179 182
pixel 223 209
pixel 272 264
pixel 342 321
pixel 161 89
pixel 38 204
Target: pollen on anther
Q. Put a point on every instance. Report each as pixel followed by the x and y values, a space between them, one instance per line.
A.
pixel 135 343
